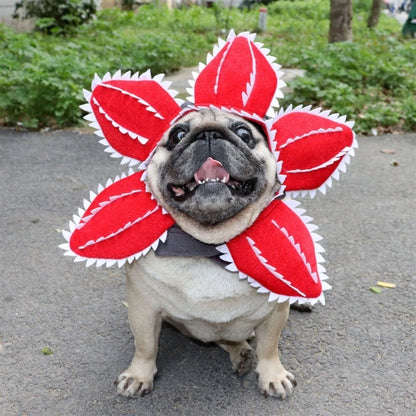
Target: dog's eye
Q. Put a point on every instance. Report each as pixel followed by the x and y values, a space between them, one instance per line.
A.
pixel 180 134
pixel 244 133
pixel 175 136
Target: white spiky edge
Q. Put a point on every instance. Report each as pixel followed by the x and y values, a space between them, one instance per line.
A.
pixel 345 154
pixel 120 230
pixel 231 266
pixel 145 76
pixel 245 94
pixel 109 182
pixel 78 221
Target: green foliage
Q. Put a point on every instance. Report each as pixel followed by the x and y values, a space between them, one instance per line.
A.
pixel 42 77
pixel 302 9
pixel 39 86
pixel 361 6
pixel 56 17
pixel 371 80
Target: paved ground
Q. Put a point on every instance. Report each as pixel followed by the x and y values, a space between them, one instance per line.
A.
pixel 354 357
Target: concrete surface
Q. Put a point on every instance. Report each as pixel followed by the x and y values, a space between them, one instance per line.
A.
pixel 353 357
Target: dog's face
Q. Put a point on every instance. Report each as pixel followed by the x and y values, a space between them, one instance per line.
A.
pixel 214 173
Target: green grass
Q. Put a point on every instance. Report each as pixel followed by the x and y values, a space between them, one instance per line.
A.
pixel 371 79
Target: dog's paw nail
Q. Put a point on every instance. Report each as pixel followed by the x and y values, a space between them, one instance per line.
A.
pixel 281 386
pixel 243 363
pixel 132 386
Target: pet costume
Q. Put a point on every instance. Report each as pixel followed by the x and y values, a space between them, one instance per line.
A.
pixel 279 253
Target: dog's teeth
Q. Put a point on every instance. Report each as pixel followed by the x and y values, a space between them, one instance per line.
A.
pixel 224 180
pixel 178 190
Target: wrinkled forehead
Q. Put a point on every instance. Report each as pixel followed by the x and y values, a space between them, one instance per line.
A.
pixel 196 117
pixel 213 117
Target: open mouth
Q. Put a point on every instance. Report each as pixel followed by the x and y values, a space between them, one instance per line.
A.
pixel 212 175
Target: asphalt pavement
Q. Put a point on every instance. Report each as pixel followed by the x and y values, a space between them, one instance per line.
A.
pixel 64 335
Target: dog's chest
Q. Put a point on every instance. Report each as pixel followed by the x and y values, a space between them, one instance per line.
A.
pixel 208 300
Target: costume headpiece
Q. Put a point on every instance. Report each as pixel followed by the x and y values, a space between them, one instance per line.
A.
pixel 279 254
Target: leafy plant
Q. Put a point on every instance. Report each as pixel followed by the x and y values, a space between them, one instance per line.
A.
pixel 371 80
pixel 56 17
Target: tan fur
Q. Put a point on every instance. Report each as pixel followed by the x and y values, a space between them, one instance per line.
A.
pixel 204 300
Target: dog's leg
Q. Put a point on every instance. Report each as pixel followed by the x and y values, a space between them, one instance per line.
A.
pixel 145 322
pixel 241 355
pixel 274 380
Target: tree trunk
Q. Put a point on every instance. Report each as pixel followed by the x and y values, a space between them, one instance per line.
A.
pixel 374 16
pixel 340 16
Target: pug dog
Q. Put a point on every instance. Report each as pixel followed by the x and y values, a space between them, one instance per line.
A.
pixel 214 173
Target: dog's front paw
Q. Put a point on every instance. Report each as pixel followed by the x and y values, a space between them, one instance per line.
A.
pixel 133 385
pixel 275 381
pixel 241 356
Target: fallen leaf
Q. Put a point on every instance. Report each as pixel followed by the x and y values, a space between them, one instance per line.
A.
pixel 386 284
pixel 394 163
pixel 388 151
pixel 375 289
pixel 46 351
pixel 125 303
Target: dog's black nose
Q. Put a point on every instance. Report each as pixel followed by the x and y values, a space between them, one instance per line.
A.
pixel 208 137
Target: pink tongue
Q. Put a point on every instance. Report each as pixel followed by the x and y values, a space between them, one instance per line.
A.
pixel 211 169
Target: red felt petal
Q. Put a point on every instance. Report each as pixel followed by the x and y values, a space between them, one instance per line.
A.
pixel 311 147
pixel 279 253
pixel 133 114
pixel 264 88
pixel 238 77
pixel 123 220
